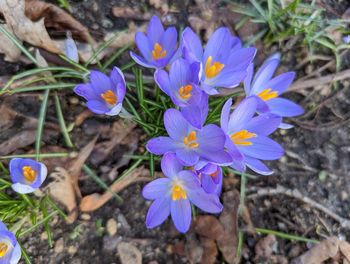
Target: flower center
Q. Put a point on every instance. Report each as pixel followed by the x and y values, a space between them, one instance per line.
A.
pixel 185 91
pixel 109 97
pixel 28 173
pixel 215 174
pixel 190 140
pixel 240 137
pixel 178 193
pixel 3 249
pixel 212 69
pixel 268 94
pixel 158 52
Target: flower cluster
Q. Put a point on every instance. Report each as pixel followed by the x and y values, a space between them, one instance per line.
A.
pixel 195 152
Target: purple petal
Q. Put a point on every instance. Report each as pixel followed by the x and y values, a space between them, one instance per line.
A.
pixel 156 189
pixel 264 74
pixel 197 114
pixel 211 138
pixel 170 165
pixel 219 157
pixel 115 110
pixel 279 83
pixel 169 41
pixel 100 82
pixel 180 74
pixel 155 29
pixel 181 214
pixel 258 166
pixel 162 79
pixel 227 78
pixel 16 170
pixel 248 79
pixel 97 107
pixel 263 124
pixel 187 156
pixel 16 254
pixel 262 148
pixel 219 45
pixel 207 202
pixel 118 81
pixel 284 107
pixel 285 126
pixel 208 89
pixel 144 46
pixel 160 145
pixel 22 188
pixel 141 61
pixel 189 180
pixel 240 59
pixel 192 46
pixel 86 91
pixel 242 114
pixel 225 114
pixel 176 125
pixel 158 212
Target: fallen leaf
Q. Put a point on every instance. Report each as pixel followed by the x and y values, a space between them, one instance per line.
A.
pixel 201 224
pixel 62 191
pixel 128 253
pixel 128 12
pixel 209 251
pixel 264 248
pixel 7 47
pixel 228 242
pixel 82 117
pixel 94 201
pixel 23 28
pixel 161 5
pixel 321 252
pixel 193 249
pixel 57 18
pixel 344 248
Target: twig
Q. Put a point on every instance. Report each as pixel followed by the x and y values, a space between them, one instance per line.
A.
pixel 345 223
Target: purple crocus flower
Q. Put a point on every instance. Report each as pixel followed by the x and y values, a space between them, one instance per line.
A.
pixel 247 136
pixel 27 175
pixel 210 176
pixel 174 195
pixel 104 94
pixel 224 61
pixel 188 142
pixel 10 250
pixel 268 89
pixel 181 84
pixel 158 47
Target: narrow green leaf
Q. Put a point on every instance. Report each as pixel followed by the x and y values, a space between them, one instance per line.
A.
pixel 41 122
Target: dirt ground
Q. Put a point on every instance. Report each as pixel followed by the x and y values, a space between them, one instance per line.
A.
pixel 316 165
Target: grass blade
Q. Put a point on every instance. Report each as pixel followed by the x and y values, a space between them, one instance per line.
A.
pixel 41 121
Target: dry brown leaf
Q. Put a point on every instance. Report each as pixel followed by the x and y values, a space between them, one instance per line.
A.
pixel 344 248
pixel 209 251
pixel 62 191
pixel 32 32
pixel 94 201
pixel 161 5
pixel 7 47
pixel 201 224
pixel 127 12
pixel 264 248
pixel 57 18
pixel 321 252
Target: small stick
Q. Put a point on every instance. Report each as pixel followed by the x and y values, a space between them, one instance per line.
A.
pixel 345 223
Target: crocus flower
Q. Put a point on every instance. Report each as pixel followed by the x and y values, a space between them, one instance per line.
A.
pixel 268 89
pixel 210 176
pixel 247 136
pixel 174 195
pixel 190 143
pixel 10 250
pixel 27 175
pixel 104 94
pixel 158 47
pixel 224 61
pixel 181 84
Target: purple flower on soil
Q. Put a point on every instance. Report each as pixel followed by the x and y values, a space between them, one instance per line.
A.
pixel 210 176
pixel 188 142
pixel 247 136
pixel 181 84
pixel 27 175
pixel 224 61
pixel 104 94
pixel 158 47
pixel 174 195
pixel 268 89
pixel 10 250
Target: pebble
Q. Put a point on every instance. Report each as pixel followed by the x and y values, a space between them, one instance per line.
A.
pixel 85 217
pixel 128 253
pixel 72 250
pixel 344 195
pixel 111 227
pixel 110 243
pixel 59 246
pixel 43 236
pixel 124 223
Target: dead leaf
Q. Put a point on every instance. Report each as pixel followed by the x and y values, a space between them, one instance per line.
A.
pixel 7 47
pixel 62 191
pixel 193 248
pixel 128 253
pixel 161 5
pixel 344 248
pixel 32 32
pixel 201 224
pixel 264 248
pixel 209 251
pixel 228 242
pixel 321 252
pixel 57 18
pixel 127 12
pixel 94 201
pixel 82 117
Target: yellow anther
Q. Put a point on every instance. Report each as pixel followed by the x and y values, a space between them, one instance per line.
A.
pixel 3 249
pixel 212 69
pixel 158 52
pixel 268 94
pixel 213 175
pixel 28 173
pixel 185 91
pixel 178 193
pixel 240 137
pixel 189 141
pixel 109 97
